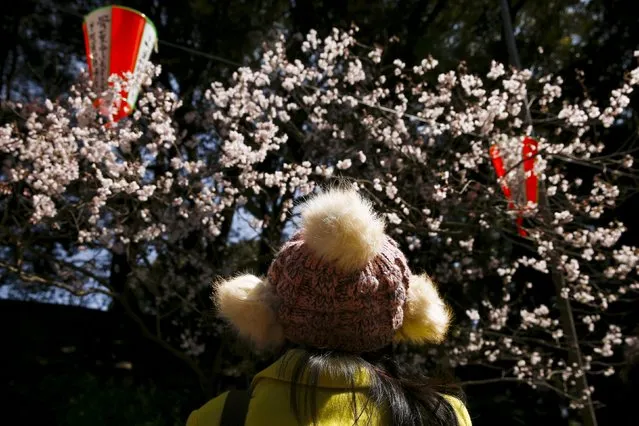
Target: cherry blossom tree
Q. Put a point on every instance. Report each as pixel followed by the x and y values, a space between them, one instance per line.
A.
pixel 145 212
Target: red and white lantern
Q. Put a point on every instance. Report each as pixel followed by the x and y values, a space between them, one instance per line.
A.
pixel 517 177
pixel 118 40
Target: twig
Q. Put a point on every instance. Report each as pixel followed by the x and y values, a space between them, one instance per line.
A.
pixel 154 338
pixel 35 279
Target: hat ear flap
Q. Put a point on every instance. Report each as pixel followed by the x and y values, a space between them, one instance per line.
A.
pixel 426 316
pixel 249 304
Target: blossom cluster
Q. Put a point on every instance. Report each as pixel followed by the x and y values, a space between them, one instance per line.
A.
pixel 415 140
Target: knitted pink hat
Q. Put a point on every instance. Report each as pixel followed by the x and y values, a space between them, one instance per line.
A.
pixel 340 283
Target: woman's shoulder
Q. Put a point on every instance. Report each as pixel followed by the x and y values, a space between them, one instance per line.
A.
pixel 209 414
pixel 463 418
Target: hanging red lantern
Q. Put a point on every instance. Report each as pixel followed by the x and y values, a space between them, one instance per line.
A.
pixel 118 40
pixel 530 158
pixel 519 182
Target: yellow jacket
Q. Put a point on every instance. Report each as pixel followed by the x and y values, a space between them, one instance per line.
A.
pixel 270 401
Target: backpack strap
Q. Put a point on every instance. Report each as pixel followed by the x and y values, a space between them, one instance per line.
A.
pixel 235 408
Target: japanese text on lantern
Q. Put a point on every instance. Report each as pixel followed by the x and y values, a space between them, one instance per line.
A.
pixel 96 63
pixel 102 53
pixel 146 46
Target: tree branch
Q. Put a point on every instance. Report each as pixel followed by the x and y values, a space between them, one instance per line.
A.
pixel 36 279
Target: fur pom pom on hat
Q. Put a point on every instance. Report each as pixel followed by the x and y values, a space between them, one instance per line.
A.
pixel 339 283
pixel 341 228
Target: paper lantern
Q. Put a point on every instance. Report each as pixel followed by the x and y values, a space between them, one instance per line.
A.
pixel 529 159
pixel 117 40
pixel 517 177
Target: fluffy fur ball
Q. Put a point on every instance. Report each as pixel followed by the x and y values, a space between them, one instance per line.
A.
pixel 340 226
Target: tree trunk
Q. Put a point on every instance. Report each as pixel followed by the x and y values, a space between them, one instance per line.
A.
pixel 567 320
pixel 565 309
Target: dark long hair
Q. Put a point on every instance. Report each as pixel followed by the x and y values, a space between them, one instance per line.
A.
pixel 408 400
